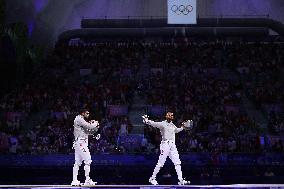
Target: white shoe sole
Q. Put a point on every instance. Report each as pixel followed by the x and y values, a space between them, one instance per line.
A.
pixel 93 184
pixel 76 184
pixel 155 184
pixel 186 183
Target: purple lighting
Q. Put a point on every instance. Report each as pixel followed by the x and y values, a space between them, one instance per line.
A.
pixel 240 7
pixel 39 5
pixel 30 28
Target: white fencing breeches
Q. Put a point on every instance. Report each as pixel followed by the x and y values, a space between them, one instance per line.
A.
pixel 82 153
pixel 168 148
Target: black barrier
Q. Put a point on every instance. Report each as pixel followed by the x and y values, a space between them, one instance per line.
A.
pixel 160 32
pixel 190 159
pixel 141 28
pixel 201 22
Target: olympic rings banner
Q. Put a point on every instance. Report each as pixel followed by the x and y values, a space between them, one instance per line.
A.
pixel 182 12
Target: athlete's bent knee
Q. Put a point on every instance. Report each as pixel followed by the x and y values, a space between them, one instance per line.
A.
pixel 88 162
pixel 77 163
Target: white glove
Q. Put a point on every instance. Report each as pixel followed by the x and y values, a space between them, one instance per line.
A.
pixel 145 119
pixel 98 136
pixel 188 124
pixel 94 123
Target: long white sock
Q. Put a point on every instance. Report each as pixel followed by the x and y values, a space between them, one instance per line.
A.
pixel 87 171
pixel 156 171
pixel 178 170
pixel 75 171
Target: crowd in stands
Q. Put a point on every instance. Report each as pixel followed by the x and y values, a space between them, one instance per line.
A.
pixel 62 90
pixel 210 100
pixel 185 78
pixel 261 68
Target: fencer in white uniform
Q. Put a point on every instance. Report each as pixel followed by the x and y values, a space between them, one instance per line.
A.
pixel 167 147
pixel 82 129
